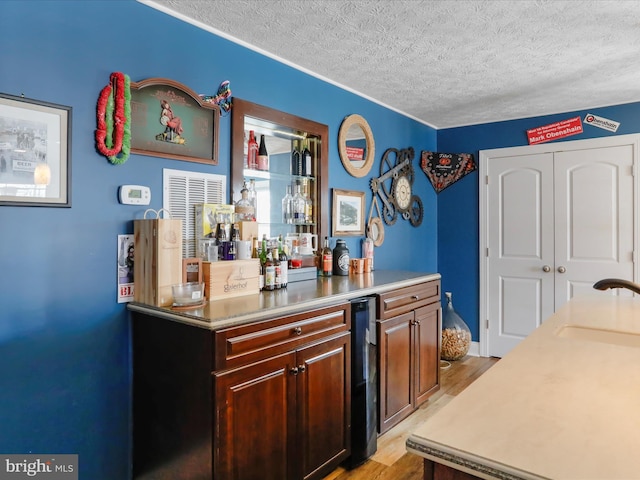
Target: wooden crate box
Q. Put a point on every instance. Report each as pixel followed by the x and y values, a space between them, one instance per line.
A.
pixel 157 261
pixel 233 278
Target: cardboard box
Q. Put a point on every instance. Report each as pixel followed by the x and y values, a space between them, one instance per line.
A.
pixel 157 263
pixel 206 218
pixel 232 278
pixel 248 230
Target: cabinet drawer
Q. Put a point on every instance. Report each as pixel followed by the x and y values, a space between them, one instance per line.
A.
pixel 406 299
pixel 256 341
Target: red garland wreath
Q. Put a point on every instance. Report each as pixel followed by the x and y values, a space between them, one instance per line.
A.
pixel 118 80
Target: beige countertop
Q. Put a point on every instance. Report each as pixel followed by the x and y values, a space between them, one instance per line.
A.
pixel 558 406
pixel 297 297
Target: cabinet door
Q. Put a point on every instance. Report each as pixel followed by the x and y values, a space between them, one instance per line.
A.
pixel 396 386
pixel 324 405
pixel 427 352
pixel 255 420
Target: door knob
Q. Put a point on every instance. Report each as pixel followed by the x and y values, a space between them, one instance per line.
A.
pixel 546 269
pixel 561 269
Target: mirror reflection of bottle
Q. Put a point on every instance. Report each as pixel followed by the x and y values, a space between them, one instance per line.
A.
pixel 263 156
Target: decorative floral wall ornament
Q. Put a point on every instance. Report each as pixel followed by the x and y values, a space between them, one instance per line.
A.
pixel 113 135
pixel 222 98
pixel 444 169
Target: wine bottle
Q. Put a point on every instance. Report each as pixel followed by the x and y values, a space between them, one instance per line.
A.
pixel 296 160
pixel 252 151
pixel 263 156
pixel 306 160
pixel 269 273
pixel 275 257
pixel 284 266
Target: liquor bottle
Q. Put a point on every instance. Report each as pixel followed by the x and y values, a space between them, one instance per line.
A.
pixel 253 198
pixel 296 159
pixel 299 206
pixel 326 265
pixel 306 160
pixel 308 204
pixel 295 261
pixel 252 151
pixel 287 206
pixel 263 156
pixel 275 257
pixel 244 208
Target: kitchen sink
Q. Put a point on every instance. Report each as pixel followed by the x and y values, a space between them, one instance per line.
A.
pixel 612 337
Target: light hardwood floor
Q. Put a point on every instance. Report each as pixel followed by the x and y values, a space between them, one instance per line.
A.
pixel 392 461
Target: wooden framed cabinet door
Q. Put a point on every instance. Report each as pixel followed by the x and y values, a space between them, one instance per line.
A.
pixel 395 352
pixel 255 420
pixel 324 405
pixel 426 352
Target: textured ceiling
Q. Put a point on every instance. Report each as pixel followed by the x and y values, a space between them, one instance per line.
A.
pixel 445 63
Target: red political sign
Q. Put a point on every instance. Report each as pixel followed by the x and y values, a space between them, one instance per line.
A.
pixel 555 131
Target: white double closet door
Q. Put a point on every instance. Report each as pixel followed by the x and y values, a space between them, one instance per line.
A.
pixel 554 219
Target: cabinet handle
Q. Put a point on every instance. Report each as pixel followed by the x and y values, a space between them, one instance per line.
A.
pixel 561 269
pixel 546 269
pixel 301 368
pixel 294 370
pixel 415 297
pixel 297 331
pixel 417 322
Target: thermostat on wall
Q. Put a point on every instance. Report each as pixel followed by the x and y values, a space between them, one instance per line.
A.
pixel 134 195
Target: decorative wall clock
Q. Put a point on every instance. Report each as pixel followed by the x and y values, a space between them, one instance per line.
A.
pixel 394 186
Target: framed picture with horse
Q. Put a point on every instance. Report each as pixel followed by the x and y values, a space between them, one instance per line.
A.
pixel 170 120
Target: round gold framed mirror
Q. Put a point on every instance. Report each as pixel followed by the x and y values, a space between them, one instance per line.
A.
pixel 375 231
pixel 356 145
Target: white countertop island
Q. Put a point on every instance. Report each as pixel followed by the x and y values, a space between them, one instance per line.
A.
pixel 564 404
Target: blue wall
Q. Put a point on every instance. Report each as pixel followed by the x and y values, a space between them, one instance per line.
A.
pixel 458 216
pixel 65 368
